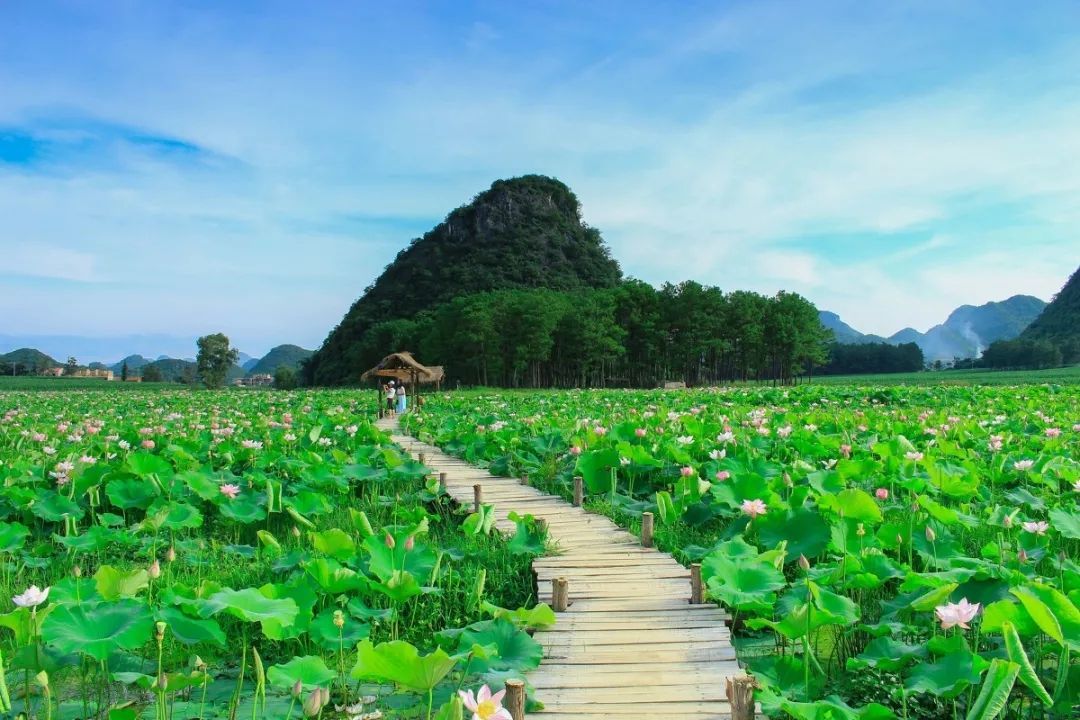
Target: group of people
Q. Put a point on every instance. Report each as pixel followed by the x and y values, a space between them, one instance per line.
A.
pixel 396 397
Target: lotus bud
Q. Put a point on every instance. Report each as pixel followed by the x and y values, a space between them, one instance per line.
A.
pixel 297 689
pixel 787 481
pixel 295 532
pixel 159 631
pixel 162 682
pixel 899 539
pixel 1008 521
pixel 170 555
pixel 803 562
pixel 410 543
pixel 313 704
pixel 1022 555
pixel 42 679
pixel 860 530
pixel 200 664
pixel 389 540
pixel 339 619
pixel 931 536
pixel 154 571
pixel 76 571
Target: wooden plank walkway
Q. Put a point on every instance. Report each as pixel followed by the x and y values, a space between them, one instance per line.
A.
pixel 630 646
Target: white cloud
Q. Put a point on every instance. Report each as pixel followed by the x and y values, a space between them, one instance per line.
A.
pixel 34 259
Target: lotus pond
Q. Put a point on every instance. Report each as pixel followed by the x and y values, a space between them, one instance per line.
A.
pixel 883 552
pixel 243 554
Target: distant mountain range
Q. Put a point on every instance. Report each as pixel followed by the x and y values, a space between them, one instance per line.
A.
pixel 171 368
pixel 965 333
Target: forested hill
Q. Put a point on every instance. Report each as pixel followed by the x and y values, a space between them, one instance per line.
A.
pixel 522 233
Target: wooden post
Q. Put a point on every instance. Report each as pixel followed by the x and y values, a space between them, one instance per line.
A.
pixel 579 490
pixel 560 594
pixel 525 479
pixel 697 591
pixel 514 701
pixel 478 497
pixel 442 481
pixel 423 458
pixel 542 526
pixel 647 529
pixel 740 695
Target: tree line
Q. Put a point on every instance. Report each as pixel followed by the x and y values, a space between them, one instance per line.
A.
pixel 846 359
pixel 631 335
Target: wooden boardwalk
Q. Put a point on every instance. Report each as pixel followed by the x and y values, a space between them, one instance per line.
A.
pixel 630 646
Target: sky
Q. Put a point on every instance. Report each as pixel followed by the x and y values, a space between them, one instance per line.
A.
pixel 250 167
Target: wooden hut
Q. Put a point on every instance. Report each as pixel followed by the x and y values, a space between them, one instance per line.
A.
pixel 403 367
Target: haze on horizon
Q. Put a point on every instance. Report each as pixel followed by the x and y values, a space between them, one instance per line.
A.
pixel 177 169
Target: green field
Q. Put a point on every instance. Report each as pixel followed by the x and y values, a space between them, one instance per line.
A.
pixel 52 383
pixel 1066 375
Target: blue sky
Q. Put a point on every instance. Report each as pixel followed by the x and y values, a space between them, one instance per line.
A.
pixel 251 166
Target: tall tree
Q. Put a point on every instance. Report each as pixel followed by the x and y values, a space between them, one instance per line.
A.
pixel 215 358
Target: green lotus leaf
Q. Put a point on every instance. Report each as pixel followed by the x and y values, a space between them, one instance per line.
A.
pixel 385 561
pixel 251 605
pixel 333 577
pixel 310 671
pixel 113 584
pixel 335 543
pixel 329 637
pixel 127 493
pixel 99 630
pixel 54 507
pixel 401 663
pixel 145 464
pixel 12 536
pixel 805 531
pixel 189 630
pixel 853 504
pixel 950 675
pixel 886 654
pixel 1066 522
pixel 516 648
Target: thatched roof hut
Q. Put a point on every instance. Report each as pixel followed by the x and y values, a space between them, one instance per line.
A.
pixel 402 366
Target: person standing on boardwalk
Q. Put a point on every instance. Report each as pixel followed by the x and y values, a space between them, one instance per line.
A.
pixel 390 397
pixel 401 398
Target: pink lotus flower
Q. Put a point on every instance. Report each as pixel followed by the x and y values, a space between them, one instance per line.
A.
pixel 914 456
pixel 753 508
pixel 575 451
pixel 881 494
pixel 484 705
pixel 956 614
pixel 147 444
pixel 686 471
pixel 1023 465
pixel 1052 432
pixel 1038 528
pixel 723 475
pixel 640 432
pixel 230 491
pixel 600 430
pixel 845 450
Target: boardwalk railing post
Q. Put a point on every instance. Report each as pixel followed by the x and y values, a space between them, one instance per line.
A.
pixel 525 479
pixel 740 695
pixel 579 490
pixel 515 699
pixel 697 591
pixel 647 529
pixel 423 457
pixel 442 481
pixel 478 497
pixel 560 594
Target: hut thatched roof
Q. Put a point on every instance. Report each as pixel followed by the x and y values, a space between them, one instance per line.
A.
pixel 403 366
